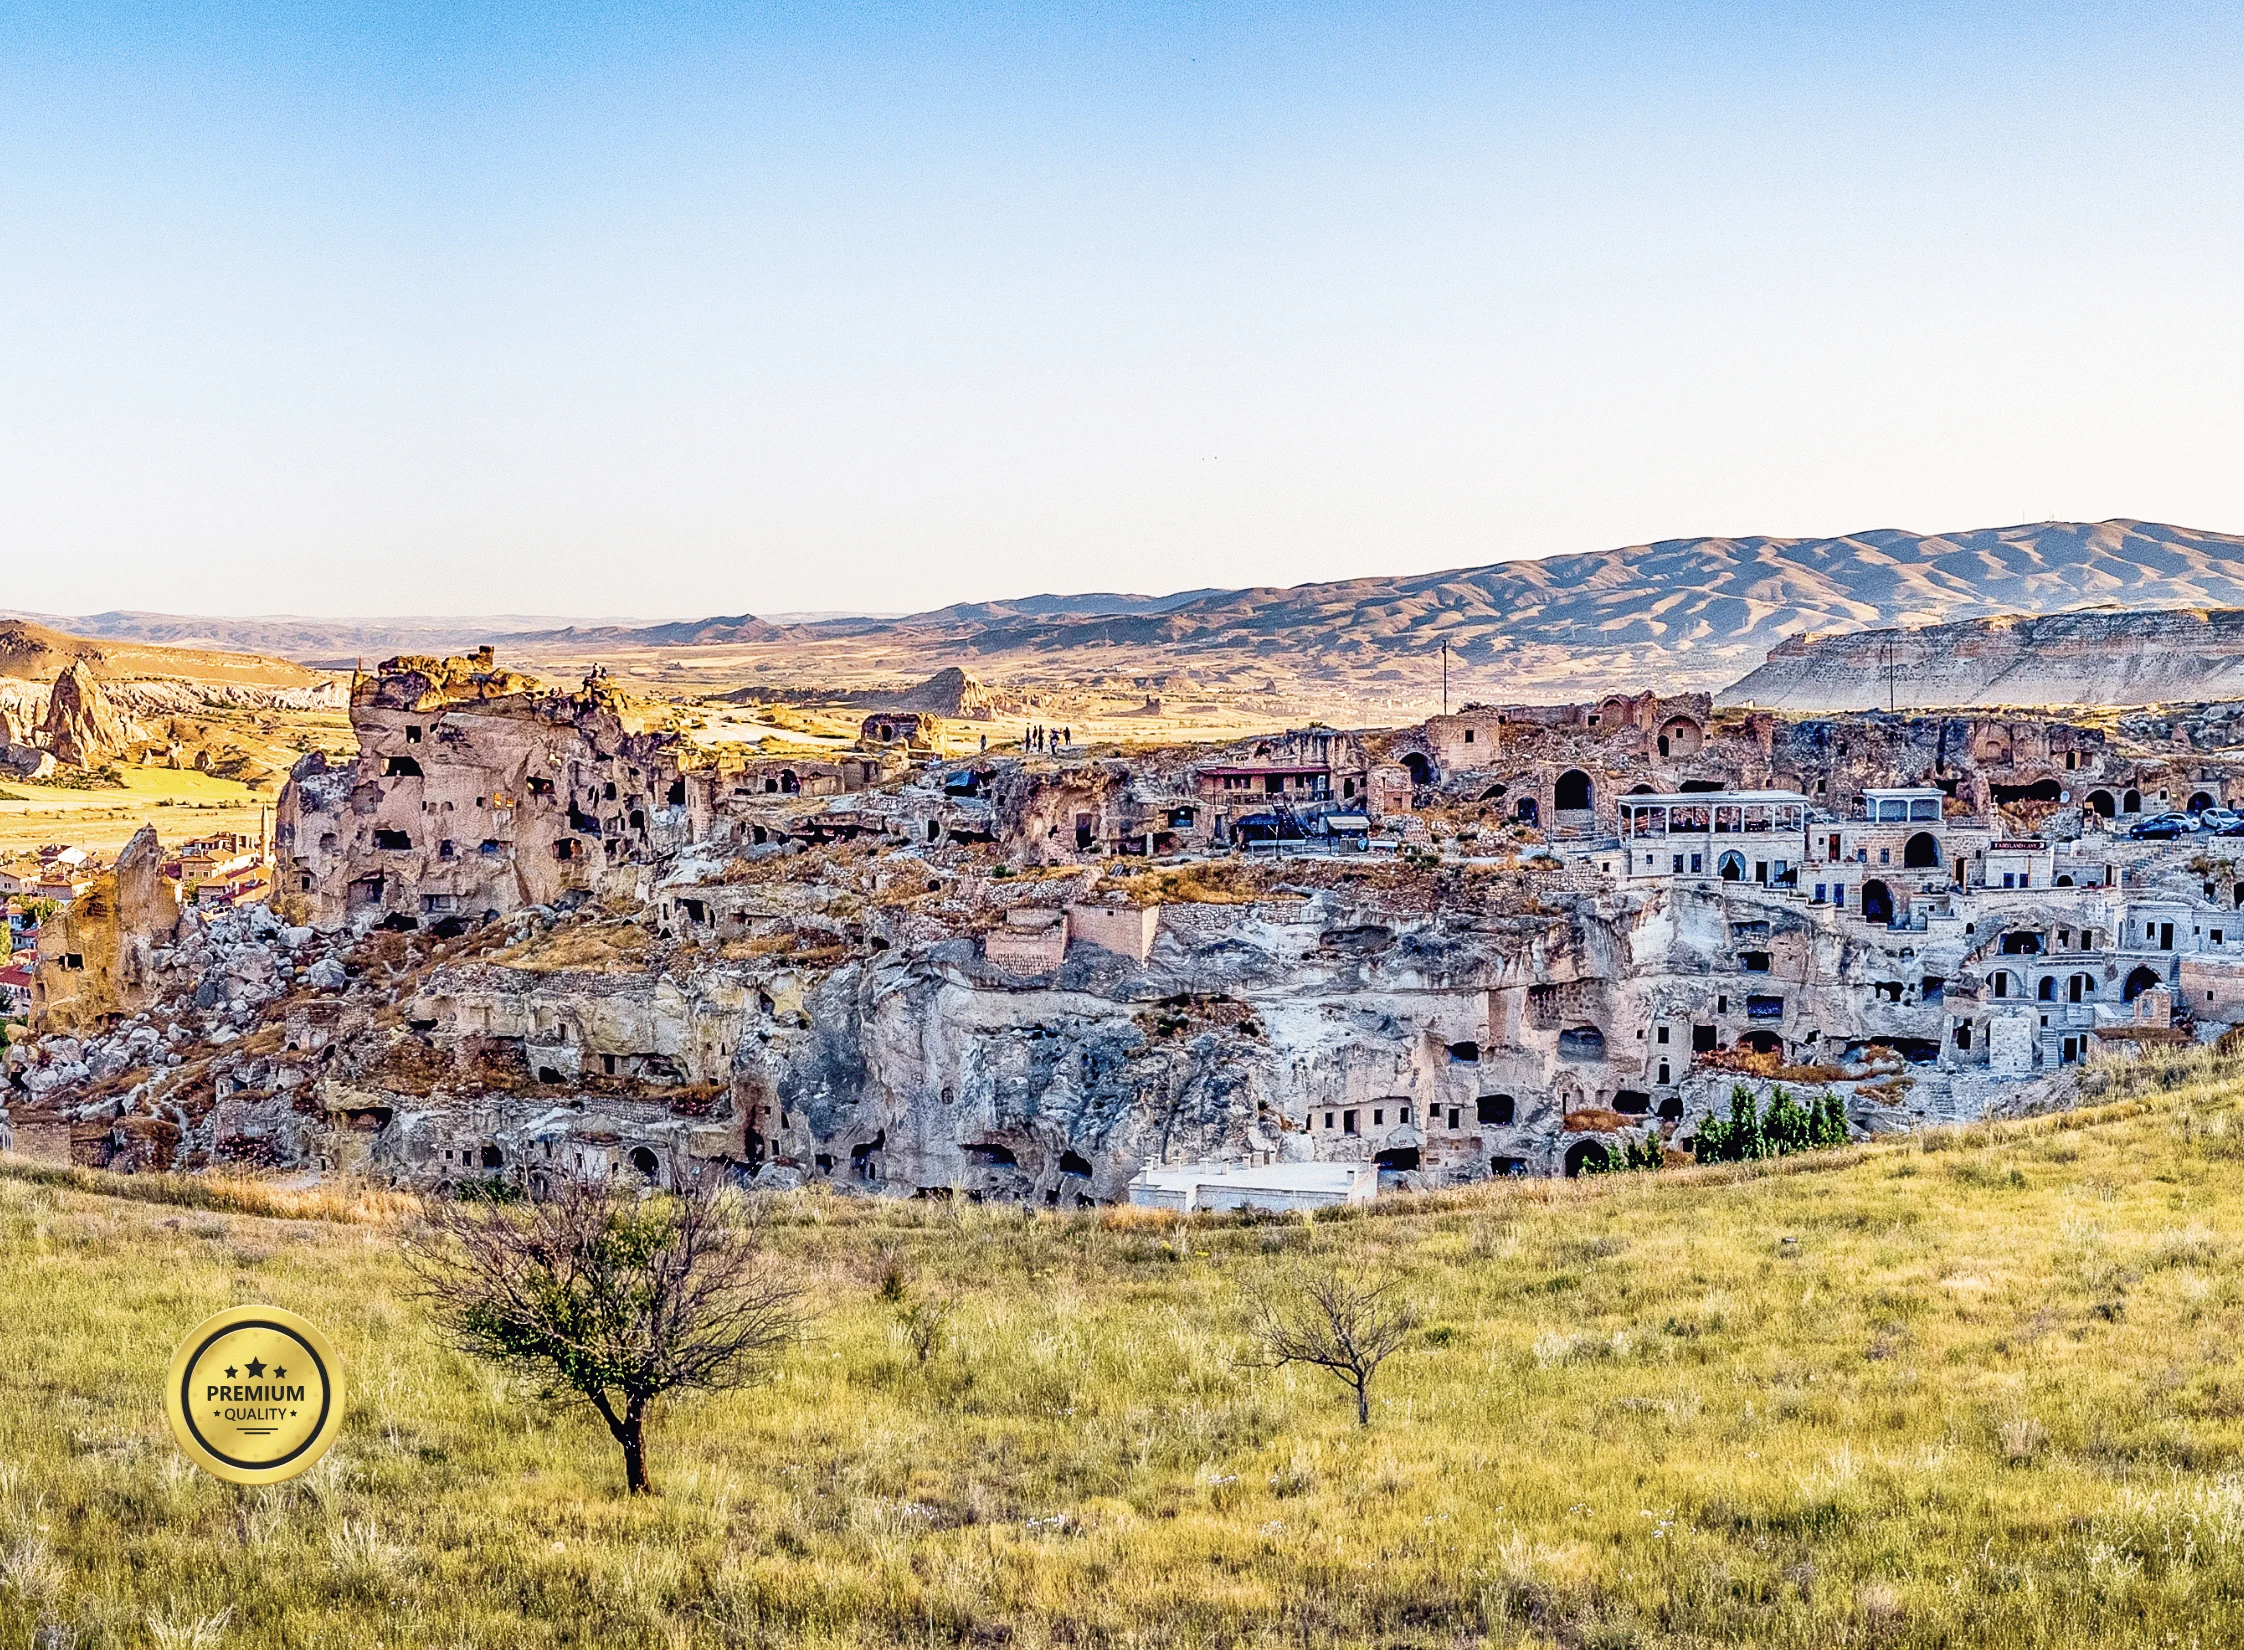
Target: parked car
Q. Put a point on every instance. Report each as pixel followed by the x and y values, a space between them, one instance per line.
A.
pixel 2219 819
pixel 2161 828
pixel 2236 829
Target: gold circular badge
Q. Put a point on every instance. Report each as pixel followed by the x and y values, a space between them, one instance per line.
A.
pixel 254 1395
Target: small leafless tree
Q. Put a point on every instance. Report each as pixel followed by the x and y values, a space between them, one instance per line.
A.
pixel 923 1322
pixel 1345 1326
pixel 615 1298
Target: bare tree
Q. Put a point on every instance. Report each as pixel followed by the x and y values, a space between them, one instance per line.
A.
pixel 1346 1327
pixel 616 1298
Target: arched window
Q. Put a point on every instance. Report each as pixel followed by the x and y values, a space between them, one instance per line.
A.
pixel 1922 853
pixel 1572 793
pixel 1582 1043
pixel 2139 982
pixel 2101 803
pixel 1421 770
pixel 1731 866
pixel 2001 983
pixel 2049 988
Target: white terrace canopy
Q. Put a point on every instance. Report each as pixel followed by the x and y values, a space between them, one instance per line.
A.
pixel 1901 804
pixel 1714 813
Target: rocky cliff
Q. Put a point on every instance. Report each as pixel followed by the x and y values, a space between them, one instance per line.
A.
pixel 2101 656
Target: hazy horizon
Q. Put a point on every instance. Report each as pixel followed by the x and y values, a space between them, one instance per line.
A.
pixel 679 312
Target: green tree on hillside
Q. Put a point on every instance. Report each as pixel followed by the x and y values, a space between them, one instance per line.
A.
pixel 616 1299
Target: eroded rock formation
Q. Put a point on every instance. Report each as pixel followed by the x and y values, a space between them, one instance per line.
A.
pixel 80 728
pixel 537 935
pixel 97 961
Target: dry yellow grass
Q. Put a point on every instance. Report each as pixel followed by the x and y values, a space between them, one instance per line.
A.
pixel 1974 1389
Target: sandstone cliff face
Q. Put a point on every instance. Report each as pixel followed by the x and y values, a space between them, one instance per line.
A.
pixel 97 965
pixel 2098 657
pixel 80 728
pixel 476 794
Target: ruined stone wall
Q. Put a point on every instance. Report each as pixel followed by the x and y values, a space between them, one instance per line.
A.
pixel 97 957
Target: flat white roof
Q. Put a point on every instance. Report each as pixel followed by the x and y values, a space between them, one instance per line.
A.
pixel 1695 798
pixel 1276 1177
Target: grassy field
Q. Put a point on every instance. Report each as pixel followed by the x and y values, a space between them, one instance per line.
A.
pixel 179 803
pixel 1977 1389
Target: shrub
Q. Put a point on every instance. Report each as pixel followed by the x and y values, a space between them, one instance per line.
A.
pixel 1785 1127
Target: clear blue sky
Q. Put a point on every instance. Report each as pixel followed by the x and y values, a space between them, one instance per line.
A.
pixel 681 310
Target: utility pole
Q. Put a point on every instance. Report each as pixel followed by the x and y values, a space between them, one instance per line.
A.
pixel 1893 664
pixel 1445 678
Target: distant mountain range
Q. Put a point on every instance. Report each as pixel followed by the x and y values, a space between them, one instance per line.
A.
pixel 1687 596
pixel 1682 613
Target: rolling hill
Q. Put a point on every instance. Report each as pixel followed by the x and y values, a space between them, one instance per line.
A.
pixel 1696 613
pixel 33 652
pixel 1682 613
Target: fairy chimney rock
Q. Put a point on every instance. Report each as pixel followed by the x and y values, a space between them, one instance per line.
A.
pixel 80 727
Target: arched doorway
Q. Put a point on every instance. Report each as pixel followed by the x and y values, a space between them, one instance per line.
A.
pixel 1731 866
pixel 1761 1042
pixel 1877 902
pixel 1587 1157
pixel 1572 793
pixel 1421 770
pixel 2199 801
pixel 1528 811
pixel 2080 988
pixel 2049 988
pixel 2101 804
pixel 2139 982
pixel 2001 982
pixel 2132 802
pixel 1922 853
pixel 645 1164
